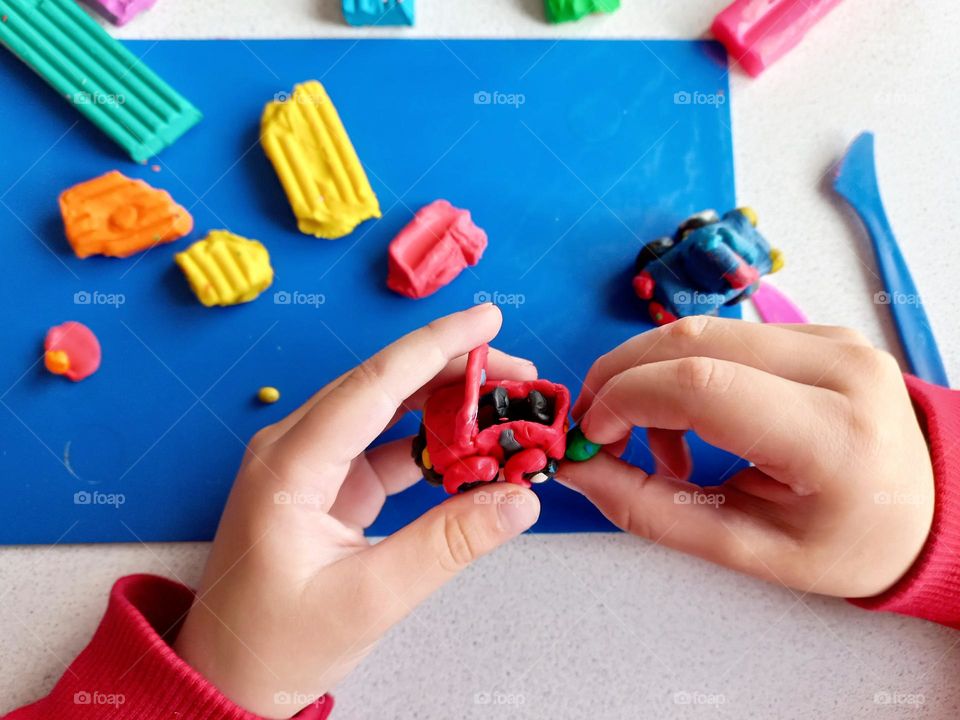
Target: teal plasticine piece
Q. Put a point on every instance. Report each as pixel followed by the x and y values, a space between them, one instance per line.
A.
pixel 378 12
pixel 113 88
pixel 565 10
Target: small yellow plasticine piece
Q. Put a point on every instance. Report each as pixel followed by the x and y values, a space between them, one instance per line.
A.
pixel 312 154
pixel 226 269
pixel 268 395
pixel 776 260
pixel 750 214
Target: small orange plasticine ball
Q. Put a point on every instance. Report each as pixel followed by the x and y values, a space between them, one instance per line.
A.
pixel 57 361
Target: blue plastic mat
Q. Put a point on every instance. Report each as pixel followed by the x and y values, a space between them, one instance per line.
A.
pixel 570 155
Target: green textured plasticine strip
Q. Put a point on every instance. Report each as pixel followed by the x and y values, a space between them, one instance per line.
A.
pixel 559 11
pixel 101 78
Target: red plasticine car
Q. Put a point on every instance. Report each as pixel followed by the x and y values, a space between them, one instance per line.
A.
pixel 477 432
pixel 433 249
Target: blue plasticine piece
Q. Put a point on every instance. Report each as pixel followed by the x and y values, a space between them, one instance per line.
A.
pixel 378 12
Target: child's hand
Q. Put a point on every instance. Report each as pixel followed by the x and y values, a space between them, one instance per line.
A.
pixel 293 596
pixel 840 498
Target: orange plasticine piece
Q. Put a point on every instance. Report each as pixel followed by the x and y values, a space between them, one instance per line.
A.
pixel 117 216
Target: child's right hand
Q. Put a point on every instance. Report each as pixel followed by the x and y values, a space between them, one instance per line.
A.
pixel 840 497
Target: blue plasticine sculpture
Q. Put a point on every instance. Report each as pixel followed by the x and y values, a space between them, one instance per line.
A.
pixel 378 12
pixel 708 263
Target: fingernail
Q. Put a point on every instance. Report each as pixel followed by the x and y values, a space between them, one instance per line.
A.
pixel 517 511
pixel 480 308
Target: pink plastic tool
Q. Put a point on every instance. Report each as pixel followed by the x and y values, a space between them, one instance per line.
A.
pixel 775 307
pixel 758 32
pixel 120 12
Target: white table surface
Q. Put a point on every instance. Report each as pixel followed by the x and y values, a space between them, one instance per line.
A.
pixel 608 626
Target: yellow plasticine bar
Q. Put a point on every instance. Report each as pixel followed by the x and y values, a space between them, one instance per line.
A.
pixel 312 154
pixel 226 269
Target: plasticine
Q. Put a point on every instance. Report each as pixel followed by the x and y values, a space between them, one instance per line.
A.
pixel 226 269
pixel 117 216
pixel 103 80
pixel 378 12
pixel 71 350
pixel 433 249
pixel 317 165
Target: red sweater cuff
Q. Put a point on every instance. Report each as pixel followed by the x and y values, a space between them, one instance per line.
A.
pixel 130 672
pixel 931 588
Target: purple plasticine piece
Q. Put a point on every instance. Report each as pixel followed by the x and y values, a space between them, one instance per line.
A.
pixel 775 307
pixel 120 12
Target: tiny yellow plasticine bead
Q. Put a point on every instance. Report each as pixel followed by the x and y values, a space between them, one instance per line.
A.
pixel 268 395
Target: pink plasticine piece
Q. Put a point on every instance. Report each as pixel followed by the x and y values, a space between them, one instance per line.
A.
pixel 120 12
pixel 758 32
pixel 72 350
pixel 775 307
pixel 433 249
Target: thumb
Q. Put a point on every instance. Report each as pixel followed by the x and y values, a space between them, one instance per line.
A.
pixel 674 513
pixel 417 560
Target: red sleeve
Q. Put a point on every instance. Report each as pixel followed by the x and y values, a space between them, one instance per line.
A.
pixel 931 588
pixel 130 672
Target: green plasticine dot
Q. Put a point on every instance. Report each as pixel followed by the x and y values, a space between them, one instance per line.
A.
pixel 579 449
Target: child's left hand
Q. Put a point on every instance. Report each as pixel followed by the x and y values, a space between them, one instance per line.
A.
pixel 293 595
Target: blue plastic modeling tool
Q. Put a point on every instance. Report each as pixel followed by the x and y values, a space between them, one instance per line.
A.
pixel 856 182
